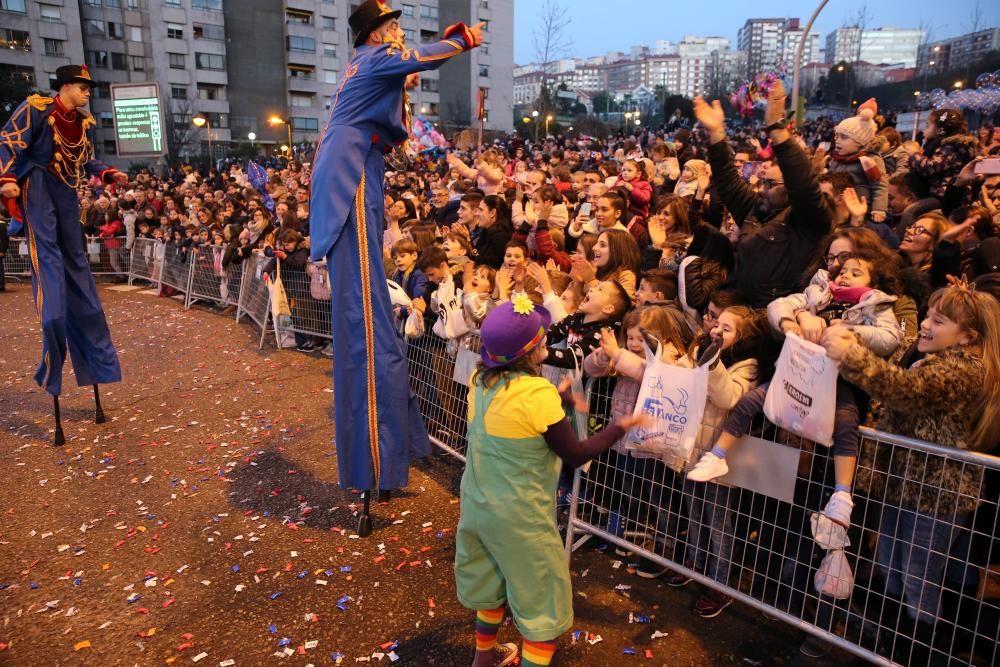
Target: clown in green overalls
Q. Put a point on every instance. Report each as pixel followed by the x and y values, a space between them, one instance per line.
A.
pixel 508 549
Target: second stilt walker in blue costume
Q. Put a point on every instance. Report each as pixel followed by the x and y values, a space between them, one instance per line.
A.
pixel 379 429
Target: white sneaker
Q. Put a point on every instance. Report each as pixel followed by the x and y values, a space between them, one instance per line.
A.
pixel 838 508
pixel 708 467
pixel 506 654
pixel 327 351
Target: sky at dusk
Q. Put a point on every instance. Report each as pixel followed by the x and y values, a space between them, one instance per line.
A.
pixel 599 26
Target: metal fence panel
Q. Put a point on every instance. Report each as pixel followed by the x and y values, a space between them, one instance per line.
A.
pixel 310 315
pixel 108 255
pixel 146 260
pixel 17 263
pixel 176 272
pixel 255 297
pixel 211 281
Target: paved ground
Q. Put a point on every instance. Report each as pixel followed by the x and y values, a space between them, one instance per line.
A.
pixel 205 520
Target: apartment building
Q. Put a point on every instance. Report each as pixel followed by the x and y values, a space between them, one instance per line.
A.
pixel 251 67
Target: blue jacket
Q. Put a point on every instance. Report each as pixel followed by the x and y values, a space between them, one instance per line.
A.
pixel 367 113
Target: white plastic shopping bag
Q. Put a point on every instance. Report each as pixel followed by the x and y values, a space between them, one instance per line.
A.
pixel 834 577
pixel 447 303
pixel 802 397
pixel 675 397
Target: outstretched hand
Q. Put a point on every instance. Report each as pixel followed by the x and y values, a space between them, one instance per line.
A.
pixel 477 32
pixel 579 400
pixel 711 116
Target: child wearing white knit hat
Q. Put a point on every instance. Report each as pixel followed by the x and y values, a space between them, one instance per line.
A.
pixel 852 155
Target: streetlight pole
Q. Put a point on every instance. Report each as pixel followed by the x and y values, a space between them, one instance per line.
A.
pixel 796 74
pixel 200 120
pixel 534 116
pixel 548 119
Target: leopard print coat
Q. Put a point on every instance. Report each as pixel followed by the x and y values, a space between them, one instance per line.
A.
pixel 932 401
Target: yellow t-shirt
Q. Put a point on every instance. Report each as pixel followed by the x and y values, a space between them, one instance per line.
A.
pixel 525 408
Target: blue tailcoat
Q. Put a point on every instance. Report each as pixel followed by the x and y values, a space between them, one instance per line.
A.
pixel 379 429
pixel 66 298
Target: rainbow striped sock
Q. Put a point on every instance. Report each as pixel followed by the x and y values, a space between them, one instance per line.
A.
pixel 487 626
pixel 538 654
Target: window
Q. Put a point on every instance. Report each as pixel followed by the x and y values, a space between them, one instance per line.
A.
pixel 410 35
pixel 172 3
pixel 13 6
pixel 134 4
pixel 484 70
pixel 118 61
pixel 178 92
pixel 99 59
pixel 301 44
pixel 212 5
pixel 135 34
pixel 429 85
pixel 207 91
pixel 114 4
pixel 215 32
pixel 305 124
pixel 209 61
pixel 95 27
pixel 115 30
pixel 329 76
pixel 427 36
pixel 330 50
pixel 407 11
pixel 138 63
pixel 175 31
pixel 219 120
pixel 428 12
pixel 181 118
pixel 110 148
pixel 101 91
pixel 50 14
pixel 298 16
pixel 328 23
pixel 176 60
pixel 53 47
pixel 92 3
pixel 302 72
pixel 17 40
pixel 106 119
pixel 484 49
pixel 301 100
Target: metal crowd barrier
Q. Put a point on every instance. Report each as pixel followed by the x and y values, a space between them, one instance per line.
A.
pixel 212 282
pixel 146 262
pixel 750 538
pixel 107 256
pixel 924 552
pixel 308 292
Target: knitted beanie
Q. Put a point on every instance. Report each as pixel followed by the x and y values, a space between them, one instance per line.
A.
pixel 861 127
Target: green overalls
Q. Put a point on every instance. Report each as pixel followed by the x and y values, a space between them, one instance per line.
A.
pixel 508 548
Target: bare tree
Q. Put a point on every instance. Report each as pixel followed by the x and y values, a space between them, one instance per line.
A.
pixel 856 25
pixel 178 132
pixel 551 37
pixel 973 25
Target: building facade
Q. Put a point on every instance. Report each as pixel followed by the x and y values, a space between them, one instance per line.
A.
pixel 957 52
pixel 882 46
pixel 226 60
pixel 761 39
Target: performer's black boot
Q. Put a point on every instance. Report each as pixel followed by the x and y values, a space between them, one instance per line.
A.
pixel 99 417
pixel 365 522
pixel 58 440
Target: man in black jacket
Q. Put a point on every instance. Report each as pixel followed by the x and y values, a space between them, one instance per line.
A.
pixel 770 261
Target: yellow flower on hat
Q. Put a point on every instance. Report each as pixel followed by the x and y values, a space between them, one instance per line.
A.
pixel 523 304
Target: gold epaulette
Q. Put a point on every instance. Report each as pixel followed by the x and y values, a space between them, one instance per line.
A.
pixel 39 103
pixel 88 119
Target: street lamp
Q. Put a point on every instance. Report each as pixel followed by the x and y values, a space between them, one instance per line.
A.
pixel 958 84
pixel 274 121
pixel 201 120
pixel 548 119
pixel 284 148
pixel 534 115
pixel 628 117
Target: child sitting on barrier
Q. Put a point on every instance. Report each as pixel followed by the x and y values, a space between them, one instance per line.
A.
pixel 408 276
pixel 946 392
pixel 508 549
pixel 855 299
pixel 477 300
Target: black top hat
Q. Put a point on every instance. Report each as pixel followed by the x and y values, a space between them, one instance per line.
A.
pixel 368 16
pixel 73 74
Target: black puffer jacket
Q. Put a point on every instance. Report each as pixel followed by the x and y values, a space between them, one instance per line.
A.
pixel 770 261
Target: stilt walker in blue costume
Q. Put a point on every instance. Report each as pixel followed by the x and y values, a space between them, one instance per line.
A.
pixel 46 153
pixel 379 429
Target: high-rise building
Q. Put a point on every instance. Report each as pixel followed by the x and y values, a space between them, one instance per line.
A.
pixel 487 67
pixel 882 46
pixel 791 36
pixel 957 52
pixel 243 62
pixel 762 41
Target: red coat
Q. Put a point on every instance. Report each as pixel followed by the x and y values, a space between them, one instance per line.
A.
pixel 639 198
pixel 112 230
